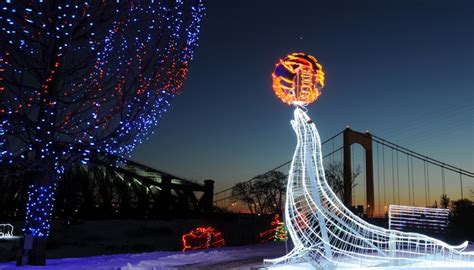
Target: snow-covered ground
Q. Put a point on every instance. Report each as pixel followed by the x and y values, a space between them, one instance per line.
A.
pixel 421 266
pixel 244 257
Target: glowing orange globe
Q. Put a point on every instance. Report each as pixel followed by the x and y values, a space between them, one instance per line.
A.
pixel 298 79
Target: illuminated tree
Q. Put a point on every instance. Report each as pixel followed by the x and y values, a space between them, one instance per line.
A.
pixel 80 79
pixel 277 231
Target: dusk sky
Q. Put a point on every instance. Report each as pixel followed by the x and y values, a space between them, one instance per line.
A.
pixel 401 69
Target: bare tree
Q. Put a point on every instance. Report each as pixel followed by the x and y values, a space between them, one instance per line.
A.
pixel 243 192
pixel 335 177
pixel 273 186
pixel 84 77
pixel 263 194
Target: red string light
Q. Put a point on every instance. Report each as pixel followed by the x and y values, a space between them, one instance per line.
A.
pixel 277 231
pixel 202 238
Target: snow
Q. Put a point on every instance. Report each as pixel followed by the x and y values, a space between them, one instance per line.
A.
pixel 419 266
pixel 244 257
pixel 112 262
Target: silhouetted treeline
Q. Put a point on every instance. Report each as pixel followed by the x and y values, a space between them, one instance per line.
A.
pixel 263 194
pixel 461 226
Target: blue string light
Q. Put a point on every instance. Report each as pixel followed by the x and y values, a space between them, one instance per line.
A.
pixel 39 210
pixel 112 69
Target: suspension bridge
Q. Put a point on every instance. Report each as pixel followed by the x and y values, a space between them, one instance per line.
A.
pixel 388 174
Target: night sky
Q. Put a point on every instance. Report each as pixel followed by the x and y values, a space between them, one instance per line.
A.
pixel 401 69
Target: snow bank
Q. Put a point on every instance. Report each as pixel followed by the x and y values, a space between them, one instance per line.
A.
pixel 235 256
pixel 244 257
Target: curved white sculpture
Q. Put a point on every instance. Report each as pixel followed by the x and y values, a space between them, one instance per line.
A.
pixel 327 234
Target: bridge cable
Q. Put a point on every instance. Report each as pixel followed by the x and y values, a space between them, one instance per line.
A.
pixel 276 168
pixel 398 178
pixel 393 181
pixel 443 183
pixel 409 184
pixel 412 181
pixel 424 178
pixel 332 157
pixel 365 180
pixel 428 180
pixel 384 182
pixel 342 157
pixel 378 176
pixel 460 182
pixel 286 163
pixel 420 156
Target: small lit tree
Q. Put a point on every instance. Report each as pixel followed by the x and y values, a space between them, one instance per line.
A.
pixel 85 78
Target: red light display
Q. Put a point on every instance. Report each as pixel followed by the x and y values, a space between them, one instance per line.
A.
pixel 202 238
pixel 277 231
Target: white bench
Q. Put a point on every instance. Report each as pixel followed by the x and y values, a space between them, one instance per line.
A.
pixel 401 217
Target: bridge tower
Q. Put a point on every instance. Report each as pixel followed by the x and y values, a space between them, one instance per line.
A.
pixel 365 140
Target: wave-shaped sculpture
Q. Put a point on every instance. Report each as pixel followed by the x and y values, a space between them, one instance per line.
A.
pixel 327 234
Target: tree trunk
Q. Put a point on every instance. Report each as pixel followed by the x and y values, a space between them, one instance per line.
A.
pixel 39 211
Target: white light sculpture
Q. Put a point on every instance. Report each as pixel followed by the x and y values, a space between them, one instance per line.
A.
pixel 327 234
pixel 6 230
pixel 401 217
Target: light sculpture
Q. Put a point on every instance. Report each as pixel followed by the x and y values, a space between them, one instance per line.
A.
pixel 202 238
pixel 297 79
pixel 324 232
pixel 6 230
pixel 402 217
